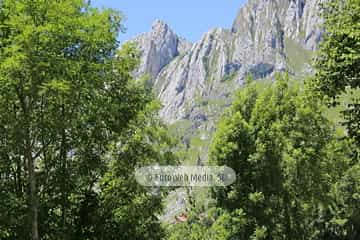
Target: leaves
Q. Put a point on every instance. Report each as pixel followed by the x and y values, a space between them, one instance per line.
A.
pixel 280 153
pixel 70 107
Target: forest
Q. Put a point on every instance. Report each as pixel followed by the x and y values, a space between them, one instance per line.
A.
pixel 75 124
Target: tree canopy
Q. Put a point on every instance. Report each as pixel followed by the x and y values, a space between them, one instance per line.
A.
pixel 67 97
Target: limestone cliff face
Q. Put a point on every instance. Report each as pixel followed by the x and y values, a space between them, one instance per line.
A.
pixel 195 81
pixel 158 47
pixel 196 74
pixel 296 19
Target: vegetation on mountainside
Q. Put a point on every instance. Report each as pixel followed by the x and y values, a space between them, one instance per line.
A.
pixel 296 152
pixel 74 125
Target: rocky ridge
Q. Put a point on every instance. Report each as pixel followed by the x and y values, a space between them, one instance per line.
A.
pixel 158 48
pixel 265 38
pixel 195 82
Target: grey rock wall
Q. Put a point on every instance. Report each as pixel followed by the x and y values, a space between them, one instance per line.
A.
pixel 264 38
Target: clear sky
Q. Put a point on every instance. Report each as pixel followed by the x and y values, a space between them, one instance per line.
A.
pixel 188 18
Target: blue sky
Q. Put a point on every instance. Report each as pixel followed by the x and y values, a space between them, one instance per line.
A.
pixel 188 18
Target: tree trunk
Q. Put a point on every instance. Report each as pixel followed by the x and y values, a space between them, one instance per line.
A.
pixel 30 162
pixel 64 192
pixel 33 197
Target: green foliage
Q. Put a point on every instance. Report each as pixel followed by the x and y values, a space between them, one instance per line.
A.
pixel 286 157
pixel 338 60
pixel 338 68
pixel 128 208
pixel 215 224
pixel 74 125
pixel 345 209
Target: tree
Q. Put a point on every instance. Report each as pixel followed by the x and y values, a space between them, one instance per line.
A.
pixel 66 97
pixel 281 147
pixel 338 60
pixel 338 73
pixel 129 210
pixel 215 224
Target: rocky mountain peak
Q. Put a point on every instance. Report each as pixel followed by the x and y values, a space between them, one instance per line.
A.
pixel 158 47
pixel 159 26
pixel 267 36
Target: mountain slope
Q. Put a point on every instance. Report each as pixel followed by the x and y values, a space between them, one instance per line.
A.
pixel 266 37
pixel 195 82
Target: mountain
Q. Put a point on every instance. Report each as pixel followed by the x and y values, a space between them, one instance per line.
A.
pixel 195 82
pixel 158 48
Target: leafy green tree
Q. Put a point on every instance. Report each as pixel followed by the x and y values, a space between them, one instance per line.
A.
pixel 67 98
pixel 129 209
pixel 214 224
pixel 338 60
pixel 281 147
pixel 338 73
